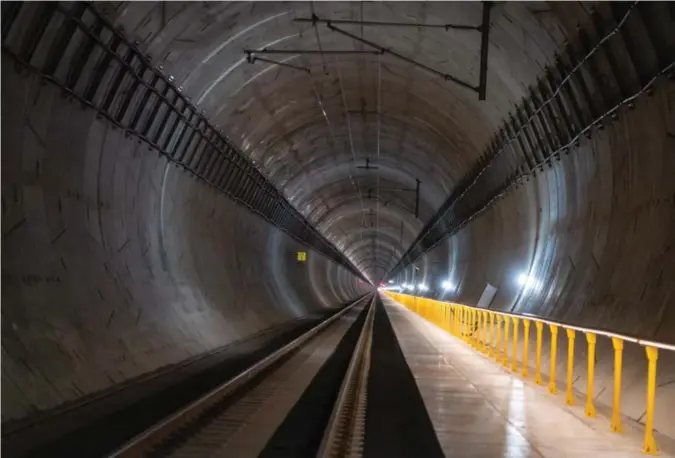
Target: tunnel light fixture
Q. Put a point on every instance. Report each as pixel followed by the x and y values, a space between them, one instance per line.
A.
pixel 422 287
pixel 528 282
pixel 447 284
pixel 391 282
pixel 524 280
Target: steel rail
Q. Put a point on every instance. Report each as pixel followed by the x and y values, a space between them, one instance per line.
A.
pixel 144 441
pixel 343 437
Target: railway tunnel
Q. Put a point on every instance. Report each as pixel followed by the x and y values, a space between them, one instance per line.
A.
pixel 189 184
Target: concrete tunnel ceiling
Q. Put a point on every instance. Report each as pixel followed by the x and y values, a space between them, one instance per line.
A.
pixel 312 132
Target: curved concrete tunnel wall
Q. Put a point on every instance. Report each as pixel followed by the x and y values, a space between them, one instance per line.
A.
pixel 116 263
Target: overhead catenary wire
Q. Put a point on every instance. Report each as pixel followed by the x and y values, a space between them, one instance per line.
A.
pixel 331 130
pixel 379 111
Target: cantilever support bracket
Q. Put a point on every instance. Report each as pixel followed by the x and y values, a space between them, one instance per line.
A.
pixel 316 20
pixel 383 50
pixel 251 59
pixel 484 45
pixel 306 51
pixel 484 30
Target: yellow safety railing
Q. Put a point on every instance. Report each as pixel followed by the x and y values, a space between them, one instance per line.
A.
pixel 489 331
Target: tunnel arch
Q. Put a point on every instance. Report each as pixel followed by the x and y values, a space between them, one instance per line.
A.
pixel 176 269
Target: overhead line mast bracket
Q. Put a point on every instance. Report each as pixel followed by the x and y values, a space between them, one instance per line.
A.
pixel 316 20
pixel 251 59
pixel 484 29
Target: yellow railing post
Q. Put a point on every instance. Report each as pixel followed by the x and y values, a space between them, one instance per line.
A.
pixel 649 446
pixel 537 362
pixel 491 333
pixel 451 318
pixel 554 352
pixel 514 353
pixel 480 330
pixel 455 311
pixel 471 333
pixel 465 322
pixel 569 396
pixel 448 317
pixel 590 408
pixel 617 343
pixel 485 331
pixel 505 361
pixel 526 343
pixel 498 351
pixel 477 327
pixel 440 313
pixel 488 333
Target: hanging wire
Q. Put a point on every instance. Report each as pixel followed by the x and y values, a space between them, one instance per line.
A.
pixel 379 118
pixel 351 143
pixel 331 131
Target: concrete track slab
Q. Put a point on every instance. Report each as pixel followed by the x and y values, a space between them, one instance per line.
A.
pixel 480 410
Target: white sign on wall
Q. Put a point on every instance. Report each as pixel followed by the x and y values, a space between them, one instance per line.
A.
pixel 488 295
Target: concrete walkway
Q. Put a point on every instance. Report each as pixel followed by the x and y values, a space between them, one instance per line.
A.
pixel 481 410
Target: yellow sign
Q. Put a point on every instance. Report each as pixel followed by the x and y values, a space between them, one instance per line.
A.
pixel 302 256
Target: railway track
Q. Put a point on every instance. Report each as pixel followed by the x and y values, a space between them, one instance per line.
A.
pixel 244 415
pixel 345 433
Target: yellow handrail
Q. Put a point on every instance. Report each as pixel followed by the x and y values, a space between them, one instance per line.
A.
pixel 482 329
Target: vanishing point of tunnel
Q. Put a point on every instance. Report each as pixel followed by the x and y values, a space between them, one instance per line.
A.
pixel 187 181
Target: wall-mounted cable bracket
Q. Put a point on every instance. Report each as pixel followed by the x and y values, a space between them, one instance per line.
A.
pixel 308 51
pixel 316 20
pixel 253 59
pixel 383 50
pixel 483 28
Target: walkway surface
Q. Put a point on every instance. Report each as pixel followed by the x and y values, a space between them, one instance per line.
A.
pixel 480 410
